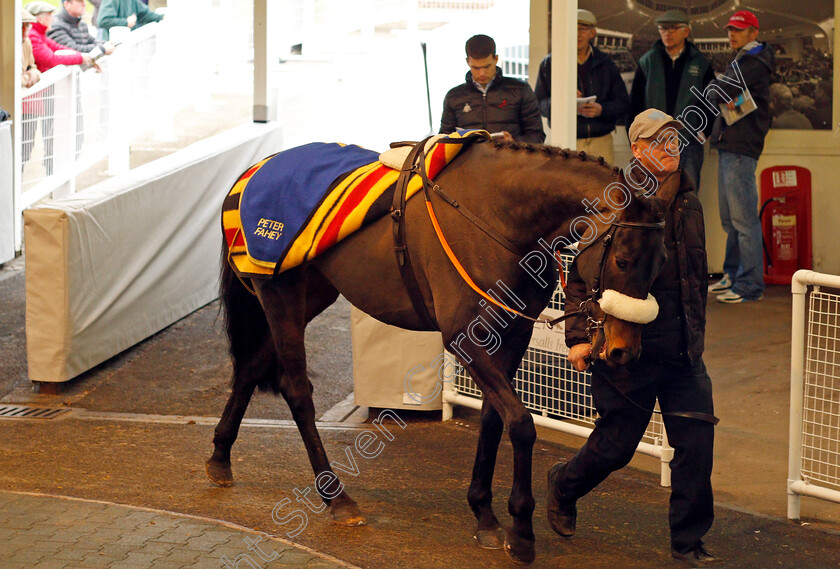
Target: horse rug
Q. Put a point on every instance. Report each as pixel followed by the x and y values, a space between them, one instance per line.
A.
pixel 292 206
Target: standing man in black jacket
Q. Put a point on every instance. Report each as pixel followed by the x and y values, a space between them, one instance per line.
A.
pixel 68 29
pixel 503 106
pixel 670 77
pixel 670 368
pixel 597 75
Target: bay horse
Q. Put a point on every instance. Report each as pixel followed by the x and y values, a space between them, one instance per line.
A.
pixel 529 195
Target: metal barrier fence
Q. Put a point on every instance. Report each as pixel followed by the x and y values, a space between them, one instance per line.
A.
pixel 814 444
pixel 71 119
pixel 557 395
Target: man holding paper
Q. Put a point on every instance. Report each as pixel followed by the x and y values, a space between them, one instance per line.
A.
pixel 743 95
pixel 602 96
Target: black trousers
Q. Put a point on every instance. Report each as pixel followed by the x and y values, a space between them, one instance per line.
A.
pixel 621 425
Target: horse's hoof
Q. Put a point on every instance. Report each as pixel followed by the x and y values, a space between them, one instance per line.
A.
pixel 490 538
pixel 219 473
pixel 520 551
pixel 347 514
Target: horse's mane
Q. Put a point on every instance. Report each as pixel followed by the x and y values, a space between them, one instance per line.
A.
pixel 565 153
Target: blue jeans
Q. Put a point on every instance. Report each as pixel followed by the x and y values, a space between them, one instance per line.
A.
pixel 738 202
pixel 691 162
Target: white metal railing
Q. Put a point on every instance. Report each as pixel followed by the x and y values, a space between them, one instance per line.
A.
pixel 557 395
pixel 71 119
pixel 814 443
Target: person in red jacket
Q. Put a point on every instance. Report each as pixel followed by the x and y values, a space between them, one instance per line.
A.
pixel 47 55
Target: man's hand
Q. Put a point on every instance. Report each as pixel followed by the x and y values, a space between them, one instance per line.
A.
pixel 108 48
pixel 591 110
pixel 131 21
pixel 578 355
pixel 87 60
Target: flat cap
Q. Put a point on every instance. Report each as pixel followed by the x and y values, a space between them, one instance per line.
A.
pixel 27 18
pixel 39 7
pixel 649 122
pixel 673 17
pixel 587 17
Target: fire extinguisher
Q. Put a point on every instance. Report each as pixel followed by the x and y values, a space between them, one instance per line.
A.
pixel 782 256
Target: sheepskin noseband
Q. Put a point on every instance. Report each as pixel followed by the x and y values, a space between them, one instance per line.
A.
pixel 628 308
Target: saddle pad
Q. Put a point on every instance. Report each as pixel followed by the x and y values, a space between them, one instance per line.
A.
pixel 293 206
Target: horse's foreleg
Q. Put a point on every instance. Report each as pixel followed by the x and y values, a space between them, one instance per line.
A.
pixel 247 375
pixel 488 531
pixel 520 538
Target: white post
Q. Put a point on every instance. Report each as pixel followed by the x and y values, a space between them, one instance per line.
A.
pixel 262 105
pixel 64 132
pixel 564 73
pixel 162 82
pixel 449 369
pixel 797 380
pixel 119 96
pixel 665 460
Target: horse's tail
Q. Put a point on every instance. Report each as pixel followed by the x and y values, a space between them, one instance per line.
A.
pixel 249 338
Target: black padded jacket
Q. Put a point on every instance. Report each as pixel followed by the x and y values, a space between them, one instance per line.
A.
pixel 509 105
pixel 677 334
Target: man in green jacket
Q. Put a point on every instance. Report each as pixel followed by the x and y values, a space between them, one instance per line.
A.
pixel 130 13
pixel 671 77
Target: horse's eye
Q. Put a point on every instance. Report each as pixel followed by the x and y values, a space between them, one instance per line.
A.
pixel 621 263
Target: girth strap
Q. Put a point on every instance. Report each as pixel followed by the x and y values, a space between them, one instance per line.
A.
pixel 400 248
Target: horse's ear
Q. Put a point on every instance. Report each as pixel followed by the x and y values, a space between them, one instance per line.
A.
pixel 669 188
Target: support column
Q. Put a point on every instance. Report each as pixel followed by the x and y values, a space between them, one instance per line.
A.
pixel 564 73
pixel 263 111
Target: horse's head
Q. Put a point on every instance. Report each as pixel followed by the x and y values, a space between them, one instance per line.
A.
pixel 619 264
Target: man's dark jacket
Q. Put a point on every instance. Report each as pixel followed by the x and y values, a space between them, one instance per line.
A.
pixel 605 83
pixel 72 32
pixel 509 104
pixel 664 84
pixel 745 137
pixel 677 333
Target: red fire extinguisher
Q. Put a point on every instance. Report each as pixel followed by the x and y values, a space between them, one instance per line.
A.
pixel 784 246
pixel 785 222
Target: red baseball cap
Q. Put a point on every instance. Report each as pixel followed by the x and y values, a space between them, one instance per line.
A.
pixel 742 19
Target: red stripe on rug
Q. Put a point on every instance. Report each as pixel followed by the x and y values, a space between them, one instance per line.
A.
pixel 438 160
pixel 230 233
pixel 356 196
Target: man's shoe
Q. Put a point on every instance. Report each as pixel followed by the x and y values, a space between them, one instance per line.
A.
pixel 562 514
pixel 731 297
pixel 722 285
pixel 697 557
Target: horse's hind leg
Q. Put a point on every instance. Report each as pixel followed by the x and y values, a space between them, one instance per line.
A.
pixel 254 363
pixel 288 303
pixel 488 532
pixel 245 381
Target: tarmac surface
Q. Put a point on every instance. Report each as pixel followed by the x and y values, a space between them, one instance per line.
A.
pixel 117 480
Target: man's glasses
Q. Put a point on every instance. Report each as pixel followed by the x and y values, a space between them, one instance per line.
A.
pixel 671 29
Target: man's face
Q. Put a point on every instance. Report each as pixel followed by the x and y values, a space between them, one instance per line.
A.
pixel 740 38
pixel 75 8
pixel 674 35
pixel 659 154
pixel 483 70
pixel 585 34
pixel 45 19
